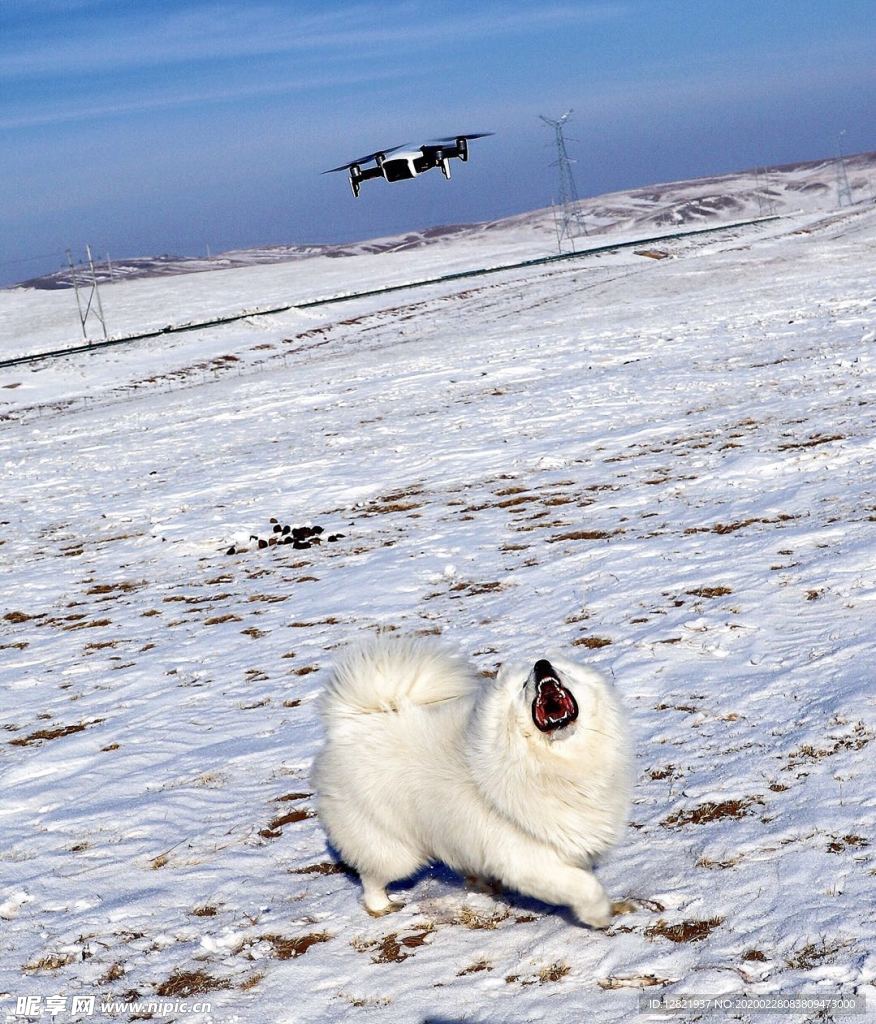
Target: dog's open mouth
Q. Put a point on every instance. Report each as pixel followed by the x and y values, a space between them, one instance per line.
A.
pixel 554 705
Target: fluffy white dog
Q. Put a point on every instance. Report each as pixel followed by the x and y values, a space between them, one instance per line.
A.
pixel 524 779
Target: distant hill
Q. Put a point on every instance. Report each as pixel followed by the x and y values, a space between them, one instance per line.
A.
pixel 802 186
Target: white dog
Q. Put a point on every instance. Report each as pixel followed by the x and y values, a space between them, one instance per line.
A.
pixel 524 779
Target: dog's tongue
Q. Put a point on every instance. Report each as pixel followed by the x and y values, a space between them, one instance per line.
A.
pixel 554 705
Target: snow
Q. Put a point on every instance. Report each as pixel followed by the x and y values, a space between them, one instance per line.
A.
pixel 664 466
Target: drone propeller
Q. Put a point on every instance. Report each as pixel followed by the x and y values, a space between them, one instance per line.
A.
pixel 362 159
pixel 451 139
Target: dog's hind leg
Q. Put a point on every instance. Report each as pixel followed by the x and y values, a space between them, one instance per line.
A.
pixel 393 864
pixel 376 901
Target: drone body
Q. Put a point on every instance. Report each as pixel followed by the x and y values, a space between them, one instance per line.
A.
pixel 403 162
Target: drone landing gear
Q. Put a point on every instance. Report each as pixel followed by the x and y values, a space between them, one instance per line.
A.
pixel 355 178
pixel 445 166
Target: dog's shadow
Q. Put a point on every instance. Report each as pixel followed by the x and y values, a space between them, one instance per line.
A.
pixel 452 882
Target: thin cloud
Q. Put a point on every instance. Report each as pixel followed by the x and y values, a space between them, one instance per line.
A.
pixel 95 111
pixel 224 32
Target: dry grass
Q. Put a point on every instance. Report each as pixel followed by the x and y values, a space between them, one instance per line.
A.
pixel 710 592
pixel 581 535
pixel 289 949
pixel 125 587
pixel 812 954
pixel 51 962
pixel 711 811
pixel 325 867
pixel 299 814
pixel 723 528
pixel 477 920
pixel 393 948
pixel 475 968
pixel 112 973
pixel 17 617
pixel 684 931
pixel 632 981
pixel 182 984
pixel 53 734
pixel 553 972
pixel 838 845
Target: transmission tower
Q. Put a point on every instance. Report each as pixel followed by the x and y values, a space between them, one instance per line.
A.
pixel 568 218
pixel 93 305
pixel 843 188
pixel 765 205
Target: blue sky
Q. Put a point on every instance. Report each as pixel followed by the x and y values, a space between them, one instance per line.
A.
pixel 151 126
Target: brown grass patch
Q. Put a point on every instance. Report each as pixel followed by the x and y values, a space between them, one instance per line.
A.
pixel 521 499
pixel 479 920
pixel 722 528
pixel 292 796
pixel 581 535
pixel 50 962
pixel 112 973
pixel 812 442
pixel 711 811
pixel 182 984
pixel 126 586
pixel 325 867
pixel 591 642
pixel 94 624
pixel 205 911
pixel 478 588
pixel 553 972
pixel 17 617
pixel 812 954
pixel 754 956
pixel 710 592
pixel 393 948
pixel 685 931
pixel 250 983
pixel 857 740
pixel 289 949
pixel 299 814
pixel 838 845
pixel 215 620
pixel 52 734
pixel 475 968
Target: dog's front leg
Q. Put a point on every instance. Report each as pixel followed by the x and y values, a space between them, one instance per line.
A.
pixel 555 881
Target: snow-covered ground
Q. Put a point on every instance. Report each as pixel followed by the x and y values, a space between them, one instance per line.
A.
pixel 665 466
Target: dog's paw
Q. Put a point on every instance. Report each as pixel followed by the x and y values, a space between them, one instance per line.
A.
pixel 595 915
pixel 390 907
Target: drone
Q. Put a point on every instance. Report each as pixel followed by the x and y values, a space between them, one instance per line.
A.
pixel 402 162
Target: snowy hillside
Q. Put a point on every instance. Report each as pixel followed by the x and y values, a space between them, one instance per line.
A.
pixel 700 202
pixel 664 466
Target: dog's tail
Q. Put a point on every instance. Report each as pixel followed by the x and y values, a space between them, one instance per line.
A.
pixel 385 673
